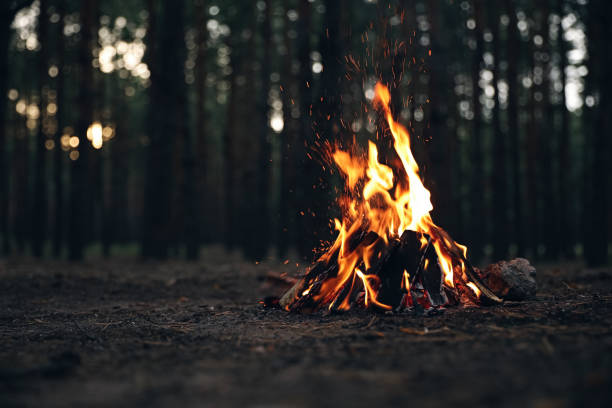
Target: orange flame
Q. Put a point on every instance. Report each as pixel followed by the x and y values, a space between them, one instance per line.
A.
pixel 390 201
pixel 474 288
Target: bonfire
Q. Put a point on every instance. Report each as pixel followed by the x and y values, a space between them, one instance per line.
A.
pixel 389 254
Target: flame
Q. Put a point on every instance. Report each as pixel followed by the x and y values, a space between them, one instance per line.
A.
pixel 406 281
pixel 370 292
pixel 393 199
pixel 474 288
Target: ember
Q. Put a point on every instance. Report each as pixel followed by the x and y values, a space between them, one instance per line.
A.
pixel 389 254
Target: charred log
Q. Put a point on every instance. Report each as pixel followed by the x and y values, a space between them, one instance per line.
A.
pixel 403 255
pixel 513 280
pixel 431 278
pixel 421 263
pixel 326 267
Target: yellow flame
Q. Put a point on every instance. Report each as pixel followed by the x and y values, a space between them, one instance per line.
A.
pixel 406 281
pixel 474 288
pixel 393 199
pixel 370 293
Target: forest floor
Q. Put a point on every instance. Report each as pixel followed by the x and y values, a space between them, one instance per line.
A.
pixel 128 333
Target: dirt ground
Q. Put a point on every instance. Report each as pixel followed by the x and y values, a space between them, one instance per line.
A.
pixel 128 333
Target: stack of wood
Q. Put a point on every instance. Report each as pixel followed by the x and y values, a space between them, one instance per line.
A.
pixel 512 280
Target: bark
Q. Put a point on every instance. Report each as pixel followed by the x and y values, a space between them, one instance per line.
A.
pixel 8 9
pixel 58 153
pixel 6 16
pixel 518 235
pixel 21 166
pixel 165 117
pixel 201 144
pixel 191 165
pixel 478 233
pixel 565 222
pixel 305 188
pixel 513 280
pixel 438 137
pixel 532 147
pixel 259 233
pixel 598 126
pixel 119 168
pixel 287 147
pixel 328 129
pixel 500 175
pixel 248 150
pixel 228 148
pixel 408 29
pixel 548 210
pixel 80 216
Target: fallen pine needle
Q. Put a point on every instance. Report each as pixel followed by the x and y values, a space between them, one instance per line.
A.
pixel 411 330
pixel 424 331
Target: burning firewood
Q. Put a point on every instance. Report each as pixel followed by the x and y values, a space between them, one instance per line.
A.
pixel 389 254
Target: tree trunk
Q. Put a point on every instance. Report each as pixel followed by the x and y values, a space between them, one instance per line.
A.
pixel 229 146
pixel 7 13
pixel 500 176
pixel 478 230
pixel 80 216
pixel 305 187
pixel 317 197
pixel 437 135
pixel 201 145
pixel 548 205
pixel 58 153
pixel 532 147
pixel 258 230
pixel 513 129
pixel 167 91
pixel 599 127
pixel 6 16
pixel 566 225
pixel 288 144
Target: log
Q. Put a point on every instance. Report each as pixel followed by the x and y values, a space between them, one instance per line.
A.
pixel 403 254
pixel 290 295
pixel 513 280
pixel 473 276
pixel 486 293
pixel 432 278
pixel 323 269
pixel 406 253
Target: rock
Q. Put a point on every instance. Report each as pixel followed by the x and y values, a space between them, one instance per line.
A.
pixel 513 280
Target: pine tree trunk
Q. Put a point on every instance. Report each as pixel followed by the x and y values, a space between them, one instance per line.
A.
pixel 532 148
pixel 287 148
pixel 58 153
pixel 6 16
pixel 548 212
pixel 21 172
pixel 328 127
pixel 259 232
pixel 305 168
pixel 437 134
pixel 566 225
pixel 598 124
pixel 80 216
pixel 500 175
pixel 513 129
pixel 201 145
pixel 39 214
pixel 229 193
pixel 166 116
pixel 477 236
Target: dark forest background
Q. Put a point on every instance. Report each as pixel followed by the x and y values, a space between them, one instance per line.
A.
pixel 158 127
